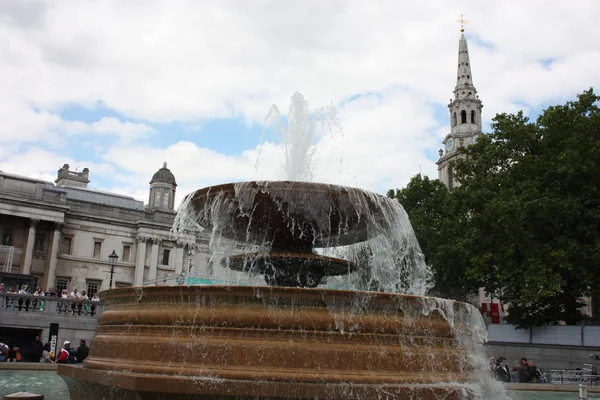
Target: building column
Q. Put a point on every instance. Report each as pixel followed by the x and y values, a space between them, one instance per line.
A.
pixel 26 267
pixel 140 261
pixel 153 259
pixel 179 258
pixel 51 262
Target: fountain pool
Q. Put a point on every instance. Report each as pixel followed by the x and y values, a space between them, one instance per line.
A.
pixel 291 337
pixel 54 388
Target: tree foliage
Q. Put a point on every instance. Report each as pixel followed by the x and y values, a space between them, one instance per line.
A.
pixel 525 220
pixel 430 209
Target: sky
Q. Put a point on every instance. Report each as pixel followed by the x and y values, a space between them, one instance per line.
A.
pixel 119 86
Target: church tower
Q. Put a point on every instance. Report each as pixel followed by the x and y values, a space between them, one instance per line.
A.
pixel 465 115
pixel 162 190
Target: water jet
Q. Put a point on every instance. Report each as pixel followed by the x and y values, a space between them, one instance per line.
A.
pixel 292 337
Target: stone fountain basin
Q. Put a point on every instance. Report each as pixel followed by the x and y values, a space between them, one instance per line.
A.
pixel 290 215
pixel 201 342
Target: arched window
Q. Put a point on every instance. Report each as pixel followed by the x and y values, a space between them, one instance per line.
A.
pixel 473 116
pixel 454 119
pixel 166 199
pixel 463 117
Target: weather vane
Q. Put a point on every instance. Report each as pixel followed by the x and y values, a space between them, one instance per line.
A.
pixel 462 24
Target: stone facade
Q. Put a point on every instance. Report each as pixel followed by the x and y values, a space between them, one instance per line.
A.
pixel 465 116
pixel 62 234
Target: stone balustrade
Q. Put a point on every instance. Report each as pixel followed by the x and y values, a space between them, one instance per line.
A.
pixel 73 319
pixel 22 305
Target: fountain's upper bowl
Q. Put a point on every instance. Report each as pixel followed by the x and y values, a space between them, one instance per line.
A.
pixel 287 214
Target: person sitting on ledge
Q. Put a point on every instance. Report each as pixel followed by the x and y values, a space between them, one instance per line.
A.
pixel 82 351
pixel 47 354
pixel 67 354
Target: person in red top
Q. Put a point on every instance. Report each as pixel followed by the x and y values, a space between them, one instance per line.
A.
pixel 63 356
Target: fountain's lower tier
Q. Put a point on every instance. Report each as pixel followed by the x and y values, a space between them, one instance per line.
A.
pixel 223 342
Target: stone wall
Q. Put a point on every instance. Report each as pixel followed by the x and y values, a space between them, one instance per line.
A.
pixel 545 357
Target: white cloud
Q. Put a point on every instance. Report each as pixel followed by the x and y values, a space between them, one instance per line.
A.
pixel 40 163
pixel 185 61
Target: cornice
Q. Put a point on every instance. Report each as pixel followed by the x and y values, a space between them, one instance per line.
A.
pixel 42 206
pixel 101 219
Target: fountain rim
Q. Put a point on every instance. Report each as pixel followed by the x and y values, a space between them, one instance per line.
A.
pixel 264 291
pixel 316 187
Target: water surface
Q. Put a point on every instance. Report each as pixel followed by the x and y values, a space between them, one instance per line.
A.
pixel 47 383
pixel 53 387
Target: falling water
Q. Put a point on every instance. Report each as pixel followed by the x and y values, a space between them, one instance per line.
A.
pixel 373 235
pixel 387 259
pixel 231 341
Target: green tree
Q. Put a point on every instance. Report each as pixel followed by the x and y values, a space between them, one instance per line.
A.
pixel 531 199
pixel 438 229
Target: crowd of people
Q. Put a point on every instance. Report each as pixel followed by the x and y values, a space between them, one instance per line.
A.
pixel 38 303
pixel 52 292
pixel 525 372
pixel 39 352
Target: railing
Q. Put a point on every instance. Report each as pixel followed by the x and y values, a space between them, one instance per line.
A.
pixel 17 304
pixel 586 375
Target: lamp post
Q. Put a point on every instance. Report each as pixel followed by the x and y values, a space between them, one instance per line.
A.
pixel 113 257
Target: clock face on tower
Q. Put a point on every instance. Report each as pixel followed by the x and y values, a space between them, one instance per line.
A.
pixel 449 144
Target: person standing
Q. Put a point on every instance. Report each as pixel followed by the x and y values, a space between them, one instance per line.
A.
pixel 36 349
pixel 523 371
pixel 502 371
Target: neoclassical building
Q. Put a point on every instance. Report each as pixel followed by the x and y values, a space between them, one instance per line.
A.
pixel 465 116
pixel 62 233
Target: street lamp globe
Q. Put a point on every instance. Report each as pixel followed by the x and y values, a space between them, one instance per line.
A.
pixel 113 257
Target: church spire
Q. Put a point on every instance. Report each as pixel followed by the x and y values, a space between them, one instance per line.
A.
pixel 465 113
pixel 464 64
pixel 464 77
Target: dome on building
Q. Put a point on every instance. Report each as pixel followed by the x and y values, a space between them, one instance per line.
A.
pixel 164 175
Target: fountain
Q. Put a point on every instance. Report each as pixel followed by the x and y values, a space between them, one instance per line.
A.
pixel 292 338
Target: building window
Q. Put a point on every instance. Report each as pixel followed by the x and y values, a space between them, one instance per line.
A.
pixel 472 116
pixel 126 253
pixel 92 288
pixel 463 117
pixel 61 284
pixel 39 242
pixel 36 281
pixel 7 237
pixel 166 198
pixel 65 245
pixel 165 258
pixel 97 249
